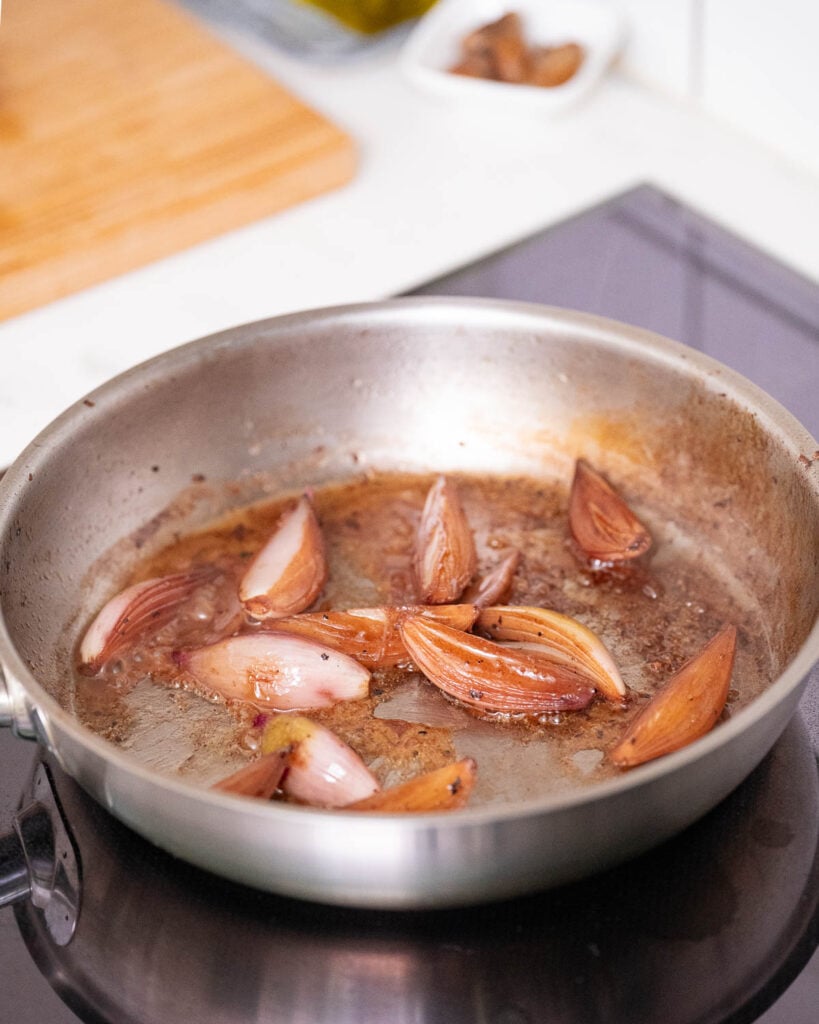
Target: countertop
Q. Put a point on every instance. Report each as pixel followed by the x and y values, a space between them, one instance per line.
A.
pixel 439 183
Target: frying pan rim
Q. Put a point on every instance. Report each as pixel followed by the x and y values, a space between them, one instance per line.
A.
pixel 775 419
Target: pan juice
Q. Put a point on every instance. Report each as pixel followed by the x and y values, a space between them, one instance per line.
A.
pixel 652 617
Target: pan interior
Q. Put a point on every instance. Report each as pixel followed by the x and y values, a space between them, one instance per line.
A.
pixel 652 618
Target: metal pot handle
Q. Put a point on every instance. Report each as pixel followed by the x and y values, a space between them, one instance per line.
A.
pixel 6 716
pixel 14 710
pixel 39 861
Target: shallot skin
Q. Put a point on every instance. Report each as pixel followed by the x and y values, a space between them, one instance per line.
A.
pixel 491 678
pixel 601 523
pixel 444 789
pixel 371 635
pixel 259 779
pixel 144 606
pixel 560 637
pixel 686 708
pixel 275 671
pixel 492 587
pixel 445 558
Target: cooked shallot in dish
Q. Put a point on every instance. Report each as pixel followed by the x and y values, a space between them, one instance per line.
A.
pixel 445 554
pixel 148 605
pixel 276 671
pixel 602 524
pixel 287 575
pixel 371 635
pixel 686 708
pixel 499 51
pixel 492 678
pixel 322 770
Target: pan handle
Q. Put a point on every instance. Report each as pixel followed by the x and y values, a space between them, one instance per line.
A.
pixel 14 711
pixel 39 861
pixel 6 716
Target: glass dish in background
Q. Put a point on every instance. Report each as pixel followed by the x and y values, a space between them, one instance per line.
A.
pixel 307 29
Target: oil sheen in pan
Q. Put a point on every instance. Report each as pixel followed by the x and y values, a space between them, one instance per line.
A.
pixel 652 620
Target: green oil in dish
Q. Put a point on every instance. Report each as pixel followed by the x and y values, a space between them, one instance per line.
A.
pixel 371 16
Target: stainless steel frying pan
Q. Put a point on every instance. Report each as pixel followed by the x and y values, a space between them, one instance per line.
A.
pixel 415 385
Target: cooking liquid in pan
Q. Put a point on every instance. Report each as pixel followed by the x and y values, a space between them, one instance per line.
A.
pixel 652 618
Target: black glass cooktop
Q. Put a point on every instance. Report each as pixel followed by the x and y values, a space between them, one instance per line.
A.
pixel 718 926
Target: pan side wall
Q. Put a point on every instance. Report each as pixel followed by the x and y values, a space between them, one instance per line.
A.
pixel 284 404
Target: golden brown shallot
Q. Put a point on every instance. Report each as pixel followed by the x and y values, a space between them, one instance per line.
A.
pixel 259 778
pixel 562 638
pixel 500 51
pixel 491 678
pixel 602 524
pixel 445 789
pixel 494 586
pixel 445 557
pixel 321 769
pixel 147 605
pixel 371 635
pixel 686 708
pixel 288 573
pixel 555 65
pixel 275 671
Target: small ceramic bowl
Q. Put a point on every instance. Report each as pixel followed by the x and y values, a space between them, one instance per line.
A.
pixel 434 47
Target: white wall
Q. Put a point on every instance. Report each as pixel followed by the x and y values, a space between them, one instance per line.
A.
pixel 661 42
pixel 753 64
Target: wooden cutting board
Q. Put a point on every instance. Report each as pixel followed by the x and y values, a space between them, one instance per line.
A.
pixel 129 132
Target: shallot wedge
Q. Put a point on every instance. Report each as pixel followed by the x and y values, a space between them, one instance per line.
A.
pixel 600 521
pixel 261 778
pixel 275 671
pixel 686 708
pixel 494 586
pixel 561 637
pixel 486 676
pixel 287 575
pixel 147 605
pixel 445 557
pixel 445 789
pixel 371 635
pixel 322 770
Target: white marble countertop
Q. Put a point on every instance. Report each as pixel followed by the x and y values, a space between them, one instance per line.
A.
pixel 439 183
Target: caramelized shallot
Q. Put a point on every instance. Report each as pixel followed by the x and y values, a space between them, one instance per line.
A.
pixel 499 51
pixel 445 789
pixel 491 678
pixel 445 549
pixel 322 770
pixel 555 65
pixel 601 523
pixel 371 635
pixel 561 638
pixel 686 708
pixel 287 575
pixel 275 671
pixel 494 586
pixel 260 778
pixel 150 604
